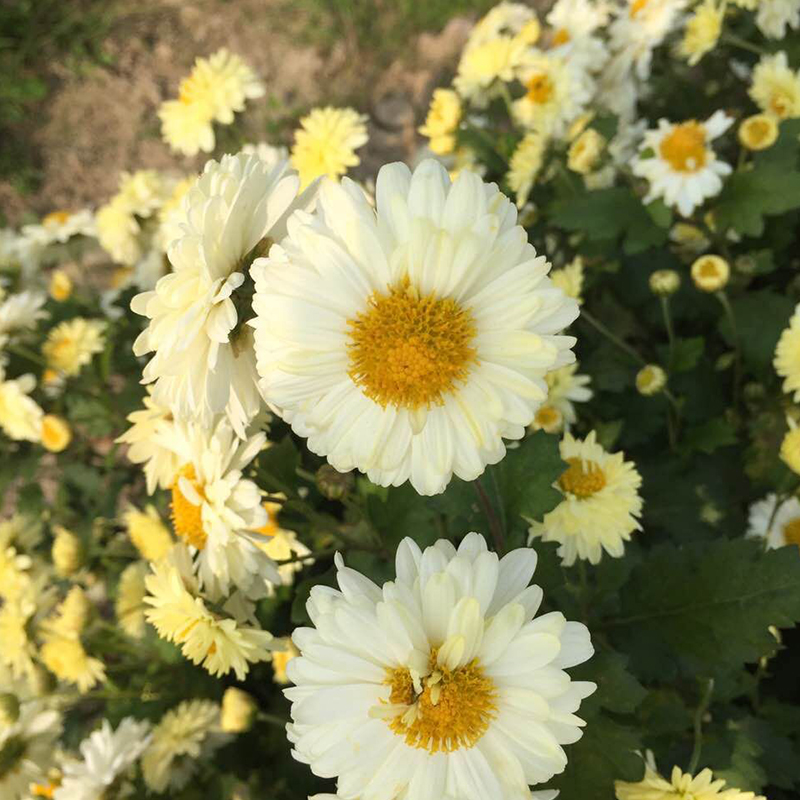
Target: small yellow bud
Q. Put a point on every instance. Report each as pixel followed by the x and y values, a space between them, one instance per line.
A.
pixel 758 132
pixel 710 273
pixel 548 419
pixel 67 551
pixel 280 658
pixel 238 710
pixel 790 448
pixel 60 285
pixel 585 151
pixel 56 433
pixel 650 380
pixel 665 282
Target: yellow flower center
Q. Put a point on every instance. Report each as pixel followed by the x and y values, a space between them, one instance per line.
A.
pixel 187 518
pixel 685 147
pixel 548 418
pixel 271 527
pixel 408 350
pixel 779 105
pixel 791 531
pixel 708 269
pixel 637 6
pixel 45 789
pixel 758 130
pixel 540 89
pixel 63 352
pixel 453 710
pixel 561 36
pixel 56 218
pixel 582 478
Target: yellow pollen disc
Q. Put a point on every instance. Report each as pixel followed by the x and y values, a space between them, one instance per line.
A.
pixel 791 531
pixel 408 350
pixel 540 89
pixel 708 269
pixel 56 218
pixel 453 711
pixel 582 478
pixel 271 527
pixel 187 517
pixel 637 6
pixel 44 789
pixel 561 36
pixel 548 418
pixel 685 148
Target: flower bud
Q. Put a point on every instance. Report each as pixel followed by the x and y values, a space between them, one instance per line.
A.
pixel 56 433
pixel 238 710
pixel 758 132
pixel 650 380
pixel 665 282
pixel 585 151
pixel 332 484
pixel 710 273
pixel 60 286
pixel 67 551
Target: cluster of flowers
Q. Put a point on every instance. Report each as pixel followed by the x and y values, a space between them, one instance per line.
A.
pixel 411 333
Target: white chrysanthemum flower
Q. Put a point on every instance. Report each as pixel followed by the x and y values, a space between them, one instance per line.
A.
pixel 679 163
pixel 774 16
pixel 220 643
pixel 118 232
pixel 326 141
pixel 776 522
pixel 215 509
pixel 203 362
pixel 525 165
pixel 60 227
pixel 414 690
pixel 188 734
pixel 170 217
pixel 107 756
pixel 776 87
pixel 150 427
pixel 564 389
pixel 555 94
pixel 640 27
pixel 216 89
pixel 506 18
pixel 71 344
pixel 21 311
pixel 600 506
pixel 143 191
pixel 269 154
pixel 787 356
pixel 20 415
pixel 575 38
pixel 27 748
pixel 410 341
pixel 497 59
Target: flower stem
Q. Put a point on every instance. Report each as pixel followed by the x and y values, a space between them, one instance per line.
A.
pixel 613 338
pixel 670 331
pixel 698 726
pixel 737 353
pixel 491 517
pixel 732 38
pixel 26 353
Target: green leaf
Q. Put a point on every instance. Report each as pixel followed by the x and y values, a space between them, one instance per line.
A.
pixel 403 512
pixel 617 689
pixel 277 466
pixel 711 601
pixel 747 197
pixel 90 414
pixel 708 436
pixel 760 318
pixel 686 354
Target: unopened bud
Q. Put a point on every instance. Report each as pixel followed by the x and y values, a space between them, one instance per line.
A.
pixel 332 484
pixel 650 380
pixel 665 282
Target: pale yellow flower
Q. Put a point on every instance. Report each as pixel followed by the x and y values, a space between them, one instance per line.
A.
pixel 585 151
pixel 60 286
pixel 681 786
pixel 67 659
pixel 326 141
pixel 129 606
pixel 71 344
pixel 787 356
pixel 67 551
pixel 776 87
pixel 702 31
pixel 239 710
pixel 570 279
pixel 150 536
pixel 790 447
pixel 665 282
pixel 281 657
pixel 442 121
pixel 525 166
pixel 758 132
pixel 650 380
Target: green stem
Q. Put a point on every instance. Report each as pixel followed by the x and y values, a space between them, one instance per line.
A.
pixel 670 331
pixel 613 338
pixel 494 524
pixel 698 726
pixel 732 38
pixel 507 99
pixel 737 353
pixel 27 353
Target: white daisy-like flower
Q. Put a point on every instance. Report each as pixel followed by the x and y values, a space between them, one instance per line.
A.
pixel 555 93
pixel 20 415
pixel 482 64
pixel 21 311
pixel 775 521
pixel 27 749
pixel 600 507
pixel 442 683
pixel 219 641
pixel 679 163
pixel 506 18
pixel 60 226
pixel 271 155
pixel 203 362
pixel 215 509
pixel 107 756
pixel 150 427
pixel 775 16
pixel 564 389
pixel 575 24
pixel 186 735
pixel 407 342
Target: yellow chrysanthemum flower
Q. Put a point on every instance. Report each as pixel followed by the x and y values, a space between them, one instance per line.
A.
pixel 60 287
pixel 443 117
pixel 776 88
pixel 681 786
pixel 129 606
pixel 585 151
pixel 72 343
pixel 150 536
pixel 600 506
pixel 281 657
pixel 710 273
pixel 239 710
pixel 790 446
pixel 326 141
pixel 787 356
pixel 758 132
pixel 67 551
pixel 282 545
pixel 56 433
pixel 525 165
pixel 650 380
pixel 67 659
pixel 702 31
pixel 570 279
